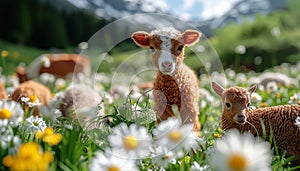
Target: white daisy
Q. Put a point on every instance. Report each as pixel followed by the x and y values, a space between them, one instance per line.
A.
pixel 240 152
pixel 15 144
pixel 255 97
pixel 47 78
pixel 31 101
pixel 175 136
pixel 60 83
pixel 162 157
pixel 295 99
pixel 297 122
pixel 12 111
pixel 45 61
pixel 271 86
pixel 196 167
pixel 132 141
pixel 109 162
pixel 34 123
pixel 6 135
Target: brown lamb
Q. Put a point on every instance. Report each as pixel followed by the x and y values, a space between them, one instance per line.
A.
pixel 278 119
pixel 29 88
pixel 61 65
pixel 175 83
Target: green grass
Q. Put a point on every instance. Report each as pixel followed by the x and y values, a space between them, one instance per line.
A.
pixel 78 146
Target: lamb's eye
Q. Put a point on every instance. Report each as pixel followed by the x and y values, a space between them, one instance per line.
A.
pixel 248 104
pixel 179 49
pixel 152 50
pixel 228 105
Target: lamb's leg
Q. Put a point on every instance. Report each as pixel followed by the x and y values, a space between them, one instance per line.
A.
pixel 162 109
pixel 189 114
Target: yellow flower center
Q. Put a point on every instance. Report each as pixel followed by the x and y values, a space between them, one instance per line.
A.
pixel 48 131
pixel 4 53
pixel 237 162
pixel 29 150
pixel 175 136
pixel 33 98
pixel 5 114
pixel 130 142
pixel 113 168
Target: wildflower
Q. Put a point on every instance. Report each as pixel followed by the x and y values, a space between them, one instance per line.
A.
pixel 45 61
pixel 12 111
pixel 15 144
pixel 60 83
pixel 297 121
pixel 161 156
pixel 49 136
pixel 196 167
pixel 47 78
pixel 4 53
pixel 108 162
pixel 133 141
pixel 34 123
pixel 29 157
pixel 263 104
pixel 240 49
pixel 6 135
pixel 175 136
pixel 31 101
pixel 271 87
pixel 255 97
pixel 240 152
pixel 295 99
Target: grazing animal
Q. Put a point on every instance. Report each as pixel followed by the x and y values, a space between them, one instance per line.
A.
pixel 59 65
pixel 278 119
pixel 175 83
pixel 3 94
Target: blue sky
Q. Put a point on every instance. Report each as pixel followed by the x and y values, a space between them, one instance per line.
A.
pixel 199 9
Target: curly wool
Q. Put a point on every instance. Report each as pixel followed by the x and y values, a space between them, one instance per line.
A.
pixel 182 90
pixel 278 119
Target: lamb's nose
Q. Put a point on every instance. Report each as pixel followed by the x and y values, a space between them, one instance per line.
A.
pixel 166 64
pixel 241 116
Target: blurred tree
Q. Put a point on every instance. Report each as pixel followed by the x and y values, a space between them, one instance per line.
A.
pixel 16 21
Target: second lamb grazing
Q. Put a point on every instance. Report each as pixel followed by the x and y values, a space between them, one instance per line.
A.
pixel 278 119
pixel 175 83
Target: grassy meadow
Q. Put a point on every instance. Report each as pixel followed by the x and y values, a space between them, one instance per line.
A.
pixel 54 142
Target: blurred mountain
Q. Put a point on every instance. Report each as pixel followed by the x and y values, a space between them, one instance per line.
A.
pixel 116 9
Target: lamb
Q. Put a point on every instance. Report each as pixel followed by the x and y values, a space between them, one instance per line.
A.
pixel 60 65
pixel 278 119
pixel 175 83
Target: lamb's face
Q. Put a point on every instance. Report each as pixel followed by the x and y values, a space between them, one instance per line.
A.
pixel 166 46
pixel 235 101
pixel 166 52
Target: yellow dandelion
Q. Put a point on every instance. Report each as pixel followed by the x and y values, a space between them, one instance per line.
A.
pixel 4 53
pixel 29 157
pixel 49 136
pixel 263 104
pixel 217 135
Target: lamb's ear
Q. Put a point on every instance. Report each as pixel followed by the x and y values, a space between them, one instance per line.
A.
pixel 141 38
pixel 217 88
pixel 191 37
pixel 252 88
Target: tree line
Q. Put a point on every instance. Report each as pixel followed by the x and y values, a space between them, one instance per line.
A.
pixel 38 23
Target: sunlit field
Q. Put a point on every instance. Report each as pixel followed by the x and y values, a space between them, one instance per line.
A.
pixel 121 132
